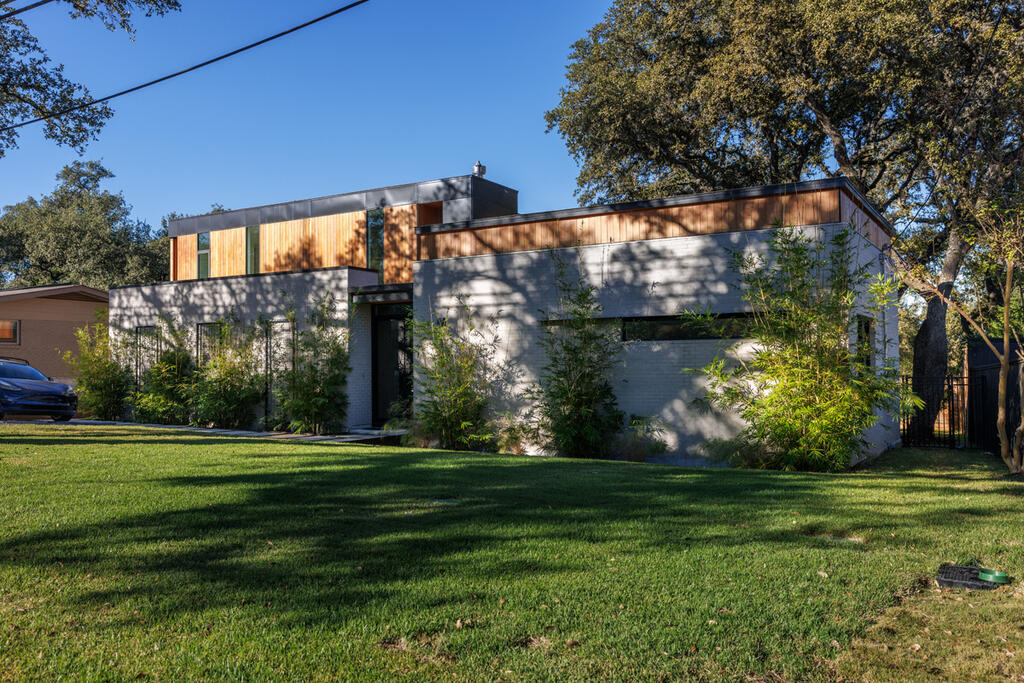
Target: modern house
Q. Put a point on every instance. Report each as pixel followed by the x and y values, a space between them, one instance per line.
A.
pixel 457 246
pixel 38 324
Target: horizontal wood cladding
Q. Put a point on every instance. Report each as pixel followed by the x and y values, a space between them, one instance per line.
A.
pixel 399 243
pixel 803 208
pixel 227 252
pixel 185 261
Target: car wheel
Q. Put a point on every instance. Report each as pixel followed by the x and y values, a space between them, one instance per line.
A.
pixel 61 418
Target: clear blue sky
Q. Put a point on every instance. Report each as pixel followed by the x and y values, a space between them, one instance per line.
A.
pixel 391 92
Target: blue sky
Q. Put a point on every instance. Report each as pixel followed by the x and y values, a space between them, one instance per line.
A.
pixel 391 92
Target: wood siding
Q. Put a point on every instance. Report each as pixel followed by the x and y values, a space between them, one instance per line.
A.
pixel 804 208
pixel 186 261
pixel 227 252
pixel 399 243
pixel 338 240
pixel 853 213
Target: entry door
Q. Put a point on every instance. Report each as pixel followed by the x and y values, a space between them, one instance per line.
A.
pixel 392 359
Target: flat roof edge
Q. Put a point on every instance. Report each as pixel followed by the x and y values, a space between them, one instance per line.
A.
pixel 300 271
pixel 438 189
pixel 840 182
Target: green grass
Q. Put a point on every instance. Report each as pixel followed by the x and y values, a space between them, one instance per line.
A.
pixel 127 552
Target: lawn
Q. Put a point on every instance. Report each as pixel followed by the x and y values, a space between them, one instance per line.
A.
pixel 135 553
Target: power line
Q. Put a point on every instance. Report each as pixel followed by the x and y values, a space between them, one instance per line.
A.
pixel 22 9
pixel 208 62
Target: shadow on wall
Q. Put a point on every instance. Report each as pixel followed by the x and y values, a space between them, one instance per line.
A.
pixel 644 278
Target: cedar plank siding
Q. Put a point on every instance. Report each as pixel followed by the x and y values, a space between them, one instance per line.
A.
pixel 187 261
pixel 227 252
pixel 399 243
pixel 804 208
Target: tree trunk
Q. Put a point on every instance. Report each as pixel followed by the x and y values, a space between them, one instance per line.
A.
pixel 931 345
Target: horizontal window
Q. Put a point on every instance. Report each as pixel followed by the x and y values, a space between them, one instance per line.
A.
pixel 670 328
pixel 10 331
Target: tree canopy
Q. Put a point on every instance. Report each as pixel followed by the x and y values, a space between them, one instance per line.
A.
pixel 673 96
pixel 79 234
pixel 920 103
pixel 32 86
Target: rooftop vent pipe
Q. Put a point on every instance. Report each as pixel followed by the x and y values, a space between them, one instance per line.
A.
pixel 479 170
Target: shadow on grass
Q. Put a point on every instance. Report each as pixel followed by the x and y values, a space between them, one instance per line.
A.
pixel 341 528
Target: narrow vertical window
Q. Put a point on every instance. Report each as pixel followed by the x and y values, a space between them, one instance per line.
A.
pixel 865 340
pixel 203 256
pixel 252 250
pixel 375 240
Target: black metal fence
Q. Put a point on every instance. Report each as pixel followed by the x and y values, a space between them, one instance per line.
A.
pixel 955 425
pixel 968 409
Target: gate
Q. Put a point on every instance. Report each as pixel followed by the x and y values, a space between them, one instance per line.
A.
pixel 957 424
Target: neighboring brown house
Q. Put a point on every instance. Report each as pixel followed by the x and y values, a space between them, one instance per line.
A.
pixel 38 324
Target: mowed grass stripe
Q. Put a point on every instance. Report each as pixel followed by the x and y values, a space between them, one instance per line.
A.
pixel 129 552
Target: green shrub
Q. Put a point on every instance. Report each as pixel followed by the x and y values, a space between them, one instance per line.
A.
pixel 640 440
pixel 809 393
pixel 166 392
pixel 451 410
pixel 103 384
pixel 577 408
pixel 230 385
pixel 312 394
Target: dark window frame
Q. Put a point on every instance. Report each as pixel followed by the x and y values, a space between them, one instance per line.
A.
pixel 16 339
pixel 200 253
pixel 657 328
pixel 252 250
pixel 865 350
pixel 375 224
pixel 208 335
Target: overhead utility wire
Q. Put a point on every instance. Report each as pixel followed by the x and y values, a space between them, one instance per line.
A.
pixel 22 9
pixel 208 62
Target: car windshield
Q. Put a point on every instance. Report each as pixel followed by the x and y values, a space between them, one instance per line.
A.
pixel 18 371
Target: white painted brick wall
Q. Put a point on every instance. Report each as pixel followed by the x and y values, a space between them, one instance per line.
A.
pixel 657 277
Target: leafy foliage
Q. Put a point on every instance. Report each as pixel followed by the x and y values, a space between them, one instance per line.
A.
pixel 674 96
pixel 640 440
pixel 79 233
pixel 452 409
pixel 809 393
pixel 31 85
pixel 230 383
pixel 103 384
pixel 577 408
pixel 312 395
pixel 165 396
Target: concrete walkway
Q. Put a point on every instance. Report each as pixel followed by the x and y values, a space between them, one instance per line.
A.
pixel 362 436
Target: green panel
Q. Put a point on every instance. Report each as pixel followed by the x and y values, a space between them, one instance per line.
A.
pixel 252 250
pixel 375 240
pixel 204 265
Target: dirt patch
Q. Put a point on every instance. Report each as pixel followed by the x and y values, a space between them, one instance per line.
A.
pixel 533 643
pixel 947 633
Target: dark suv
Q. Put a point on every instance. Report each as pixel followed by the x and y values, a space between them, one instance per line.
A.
pixel 26 391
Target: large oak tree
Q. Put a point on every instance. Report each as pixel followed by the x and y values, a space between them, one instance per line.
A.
pixel 32 86
pixel 79 234
pixel 676 96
